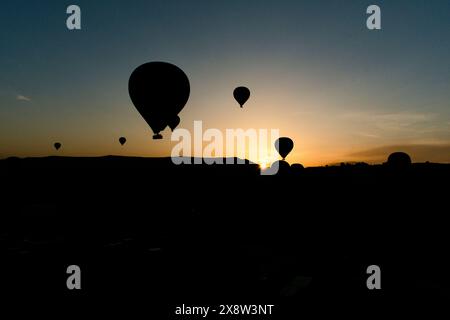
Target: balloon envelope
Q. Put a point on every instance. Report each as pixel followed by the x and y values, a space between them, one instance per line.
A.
pixel 399 160
pixel 241 94
pixel 174 122
pixel 159 91
pixel 122 140
pixel 284 146
pixel 57 145
pixel 280 167
pixel 297 166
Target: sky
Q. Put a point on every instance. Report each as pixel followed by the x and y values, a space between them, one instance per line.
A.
pixel 316 73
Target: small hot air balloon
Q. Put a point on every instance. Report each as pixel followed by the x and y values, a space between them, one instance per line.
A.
pixel 241 94
pixel 122 140
pixel 174 122
pixel 159 91
pixel 284 146
pixel 57 145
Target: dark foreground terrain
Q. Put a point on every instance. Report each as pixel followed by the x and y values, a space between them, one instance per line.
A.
pixel 150 236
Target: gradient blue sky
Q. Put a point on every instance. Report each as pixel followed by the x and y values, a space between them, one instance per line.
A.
pixel 342 92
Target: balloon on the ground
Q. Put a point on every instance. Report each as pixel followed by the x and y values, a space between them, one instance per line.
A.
pixel 399 160
pixel 284 146
pixel 159 91
pixel 241 94
pixel 122 140
pixel 280 167
pixel 297 166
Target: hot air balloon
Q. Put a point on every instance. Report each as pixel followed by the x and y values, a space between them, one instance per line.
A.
pixel 57 145
pixel 297 167
pixel 122 140
pixel 284 146
pixel 241 94
pixel 159 91
pixel 399 160
pixel 280 167
pixel 174 122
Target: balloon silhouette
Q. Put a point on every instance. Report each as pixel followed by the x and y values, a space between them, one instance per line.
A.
pixel 57 145
pixel 159 91
pixel 122 140
pixel 174 122
pixel 399 160
pixel 284 146
pixel 241 94
pixel 281 167
pixel 297 167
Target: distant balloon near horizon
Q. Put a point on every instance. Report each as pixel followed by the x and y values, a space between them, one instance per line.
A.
pixel 281 167
pixel 297 166
pixel 57 145
pixel 284 146
pixel 399 160
pixel 122 140
pixel 241 94
pixel 159 91
pixel 297 169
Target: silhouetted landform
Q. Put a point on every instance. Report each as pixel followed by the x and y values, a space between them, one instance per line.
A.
pixel 151 234
pixel 439 153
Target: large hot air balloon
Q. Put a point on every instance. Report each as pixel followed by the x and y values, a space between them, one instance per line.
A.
pixel 284 146
pixel 241 94
pixel 57 145
pixel 122 140
pixel 159 91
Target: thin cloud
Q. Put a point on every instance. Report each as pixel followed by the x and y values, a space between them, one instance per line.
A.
pixel 23 98
pixel 368 135
pixel 393 121
pixel 408 125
